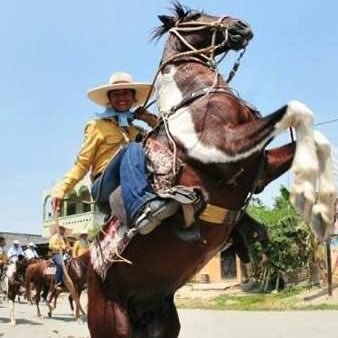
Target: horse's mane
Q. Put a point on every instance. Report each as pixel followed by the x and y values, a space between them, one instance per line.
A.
pixel 180 12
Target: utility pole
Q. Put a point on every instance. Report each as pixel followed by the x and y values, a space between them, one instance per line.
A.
pixel 329 267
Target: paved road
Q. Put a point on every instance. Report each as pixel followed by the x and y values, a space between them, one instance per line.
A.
pixel 195 324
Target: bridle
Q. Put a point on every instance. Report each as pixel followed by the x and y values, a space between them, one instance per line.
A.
pixel 216 27
pixel 206 53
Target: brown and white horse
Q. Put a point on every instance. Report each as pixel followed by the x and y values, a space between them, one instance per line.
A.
pixel 15 275
pixel 221 142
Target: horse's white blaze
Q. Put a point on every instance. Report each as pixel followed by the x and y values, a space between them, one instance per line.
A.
pixel 167 92
pixel 182 128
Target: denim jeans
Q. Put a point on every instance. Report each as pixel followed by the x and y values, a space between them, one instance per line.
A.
pixel 128 169
pixel 57 260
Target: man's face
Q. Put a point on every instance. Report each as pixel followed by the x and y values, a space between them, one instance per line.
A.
pixel 122 99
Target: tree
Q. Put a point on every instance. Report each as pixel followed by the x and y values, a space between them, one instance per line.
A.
pixel 289 247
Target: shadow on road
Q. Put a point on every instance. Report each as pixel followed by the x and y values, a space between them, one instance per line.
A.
pixel 19 321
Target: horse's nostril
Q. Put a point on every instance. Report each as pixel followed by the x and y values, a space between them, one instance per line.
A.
pixel 244 28
pixel 244 24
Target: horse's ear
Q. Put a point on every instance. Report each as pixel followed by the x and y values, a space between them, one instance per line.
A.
pixel 168 21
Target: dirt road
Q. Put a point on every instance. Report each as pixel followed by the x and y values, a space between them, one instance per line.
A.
pixel 195 323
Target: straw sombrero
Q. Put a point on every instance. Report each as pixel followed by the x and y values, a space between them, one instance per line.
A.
pixel 120 81
pixel 54 227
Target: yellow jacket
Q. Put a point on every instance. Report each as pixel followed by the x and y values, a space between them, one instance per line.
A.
pixel 80 247
pixel 102 141
pixel 3 255
pixel 58 243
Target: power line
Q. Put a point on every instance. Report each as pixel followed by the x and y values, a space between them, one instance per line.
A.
pixel 326 122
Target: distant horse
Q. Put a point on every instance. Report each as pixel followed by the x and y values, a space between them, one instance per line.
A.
pixel 77 270
pixel 38 277
pixel 221 141
pixel 43 281
pixel 14 280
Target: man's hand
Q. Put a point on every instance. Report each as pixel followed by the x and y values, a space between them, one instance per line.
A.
pixel 56 205
pixel 140 113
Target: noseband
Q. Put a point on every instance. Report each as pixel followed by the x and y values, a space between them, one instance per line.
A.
pixel 215 26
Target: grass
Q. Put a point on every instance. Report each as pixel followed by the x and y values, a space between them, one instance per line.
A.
pixel 282 301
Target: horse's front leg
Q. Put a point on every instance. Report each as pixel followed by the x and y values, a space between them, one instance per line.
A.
pixel 70 299
pixel 322 218
pixel 11 294
pixel 12 312
pixel 277 161
pixel 49 298
pixel 305 165
pixel 106 318
pixel 37 298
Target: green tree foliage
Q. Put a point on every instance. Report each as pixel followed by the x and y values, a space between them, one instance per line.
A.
pixel 290 238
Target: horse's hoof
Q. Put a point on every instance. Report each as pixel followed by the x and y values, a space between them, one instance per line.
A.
pixel 49 314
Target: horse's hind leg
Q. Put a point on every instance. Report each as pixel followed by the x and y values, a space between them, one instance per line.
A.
pixel 70 299
pixel 106 319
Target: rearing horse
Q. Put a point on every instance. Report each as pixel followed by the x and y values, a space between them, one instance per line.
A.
pixel 221 142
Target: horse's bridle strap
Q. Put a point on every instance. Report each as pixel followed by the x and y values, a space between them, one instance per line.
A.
pixel 218 215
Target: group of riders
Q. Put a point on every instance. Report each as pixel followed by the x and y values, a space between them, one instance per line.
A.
pixel 60 250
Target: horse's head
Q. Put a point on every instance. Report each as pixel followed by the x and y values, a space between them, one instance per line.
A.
pixel 194 31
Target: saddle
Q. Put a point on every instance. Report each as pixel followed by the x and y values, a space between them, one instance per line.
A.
pixel 163 169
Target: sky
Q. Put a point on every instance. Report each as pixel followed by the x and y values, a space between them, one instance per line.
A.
pixel 52 52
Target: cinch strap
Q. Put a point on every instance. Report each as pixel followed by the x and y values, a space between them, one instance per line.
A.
pixel 218 215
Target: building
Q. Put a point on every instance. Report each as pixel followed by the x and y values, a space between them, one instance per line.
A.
pixel 78 211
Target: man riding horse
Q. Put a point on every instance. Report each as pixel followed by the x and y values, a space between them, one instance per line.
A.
pixel 109 151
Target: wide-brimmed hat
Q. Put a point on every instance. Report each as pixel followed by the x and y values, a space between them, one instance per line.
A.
pixel 16 241
pixel 54 227
pixel 120 81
